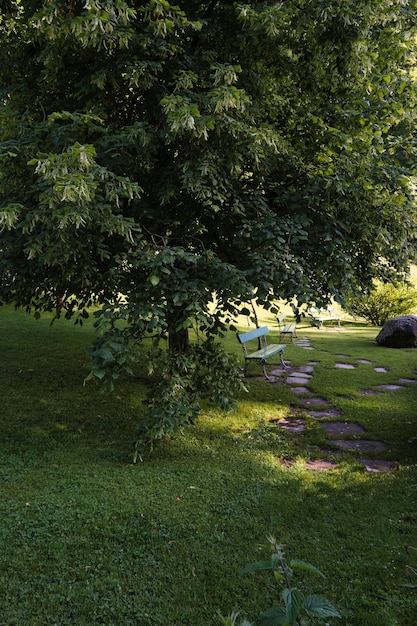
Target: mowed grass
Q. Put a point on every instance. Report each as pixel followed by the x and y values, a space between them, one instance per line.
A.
pixel 89 538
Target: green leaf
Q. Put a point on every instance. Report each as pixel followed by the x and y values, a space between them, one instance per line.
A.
pixel 154 280
pixel 278 576
pixel 259 565
pixel 275 616
pixel 232 620
pixel 298 564
pixel 106 354
pixel 318 606
pixel 293 601
pixel 99 373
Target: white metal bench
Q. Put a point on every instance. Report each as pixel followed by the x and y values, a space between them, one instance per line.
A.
pixel 264 350
pixel 319 316
pixel 286 329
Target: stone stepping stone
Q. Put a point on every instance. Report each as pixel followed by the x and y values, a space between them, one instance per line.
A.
pixel 302 375
pixel 307 369
pixel 292 425
pixel 390 387
pixel 320 465
pixel 345 366
pixel 316 465
pixel 364 361
pixel 333 453
pixel 343 356
pixel 314 401
pixel 408 380
pixel 343 428
pixel 297 380
pixel 369 392
pixel 300 390
pixel 320 414
pixel 276 381
pixel 381 370
pixel 377 466
pixel 278 371
pixel 360 444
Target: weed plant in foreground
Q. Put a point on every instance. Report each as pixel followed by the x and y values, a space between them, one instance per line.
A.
pixel 293 603
pixel 88 538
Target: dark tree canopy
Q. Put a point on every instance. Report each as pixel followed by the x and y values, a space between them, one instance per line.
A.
pixel 155 156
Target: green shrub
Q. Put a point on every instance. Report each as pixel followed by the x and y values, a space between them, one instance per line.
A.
pixel 384 302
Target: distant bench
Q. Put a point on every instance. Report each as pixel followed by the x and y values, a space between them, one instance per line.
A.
pixel 286 329
pixel 264 352
pixel 317 317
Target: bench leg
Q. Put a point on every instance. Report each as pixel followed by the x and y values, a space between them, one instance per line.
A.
pixel 292 333
pixel 263 363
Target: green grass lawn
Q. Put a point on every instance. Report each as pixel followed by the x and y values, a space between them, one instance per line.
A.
pixel 89 538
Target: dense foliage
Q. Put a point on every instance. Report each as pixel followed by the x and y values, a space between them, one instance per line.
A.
pixel 169 152
pixel 383 302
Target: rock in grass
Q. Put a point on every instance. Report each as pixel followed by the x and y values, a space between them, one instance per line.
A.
pixel 399 332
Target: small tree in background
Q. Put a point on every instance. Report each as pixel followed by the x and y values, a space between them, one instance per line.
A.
pixel 384 302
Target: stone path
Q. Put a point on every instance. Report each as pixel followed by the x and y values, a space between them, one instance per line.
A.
pixel 344 436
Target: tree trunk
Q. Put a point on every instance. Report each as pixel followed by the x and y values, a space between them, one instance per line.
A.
pixel 179 340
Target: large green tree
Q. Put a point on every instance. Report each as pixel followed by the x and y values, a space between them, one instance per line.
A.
pixel 171 162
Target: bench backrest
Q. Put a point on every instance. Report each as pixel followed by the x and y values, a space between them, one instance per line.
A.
pixel 313 311
pixel 253 334
pixel 281 318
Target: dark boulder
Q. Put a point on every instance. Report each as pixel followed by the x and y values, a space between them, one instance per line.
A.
pixel 399 332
